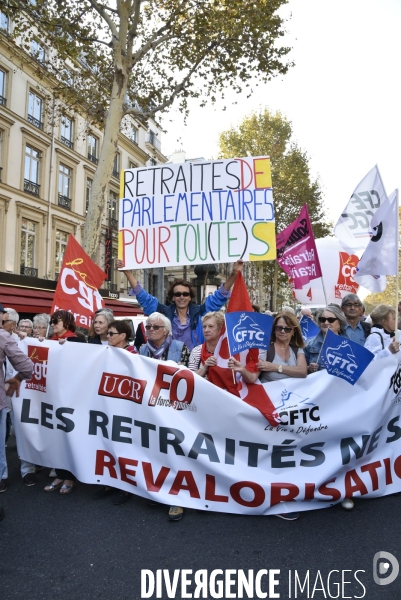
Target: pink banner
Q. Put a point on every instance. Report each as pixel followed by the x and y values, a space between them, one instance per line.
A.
pixel 296 251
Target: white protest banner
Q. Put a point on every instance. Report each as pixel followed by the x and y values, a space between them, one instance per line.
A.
pixel 207 211
pixel 160 431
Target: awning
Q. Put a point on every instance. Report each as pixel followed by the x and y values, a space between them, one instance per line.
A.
pixel 34 301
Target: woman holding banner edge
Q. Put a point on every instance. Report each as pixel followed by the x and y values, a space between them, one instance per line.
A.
pixel 182 312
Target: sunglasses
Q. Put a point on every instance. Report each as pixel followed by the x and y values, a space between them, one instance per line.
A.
pixel 351 305
pixel 155 327
pixel 178 294
pixel 111 333
pixel 329 319
pixel 55 321
pixel 285 329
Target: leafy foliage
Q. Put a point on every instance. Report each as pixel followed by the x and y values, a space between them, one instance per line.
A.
pixel 265 133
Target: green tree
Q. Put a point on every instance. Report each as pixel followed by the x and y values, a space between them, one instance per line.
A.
pixel 265 133
pixel 136 57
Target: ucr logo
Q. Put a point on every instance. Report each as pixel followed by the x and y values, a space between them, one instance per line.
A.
pixel 247 329
pixel 335 356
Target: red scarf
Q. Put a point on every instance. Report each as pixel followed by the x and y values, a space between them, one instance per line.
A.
pixel 66 334
pixel 205 354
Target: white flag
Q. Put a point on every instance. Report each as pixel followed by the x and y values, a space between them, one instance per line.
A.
pixel 380 256
pixel 353 228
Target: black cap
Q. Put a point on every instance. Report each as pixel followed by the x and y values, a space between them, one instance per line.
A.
pixel 2 308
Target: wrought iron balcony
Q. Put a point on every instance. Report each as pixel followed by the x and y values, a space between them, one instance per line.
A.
pixel 93 159
pixel 29 271
pixel 31 187
pixel 64 201
pixel 113 224
pixel 152 139
pixel 112 287
pixel 116 173
pixel 3 101
pixel 35 122
pixel 67 142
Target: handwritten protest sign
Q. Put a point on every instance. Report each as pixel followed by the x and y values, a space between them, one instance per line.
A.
pixel 207 211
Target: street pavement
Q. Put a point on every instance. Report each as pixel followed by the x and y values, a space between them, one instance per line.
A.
pixel 55 547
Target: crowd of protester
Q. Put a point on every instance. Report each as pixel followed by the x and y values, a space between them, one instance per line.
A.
pixel 187 334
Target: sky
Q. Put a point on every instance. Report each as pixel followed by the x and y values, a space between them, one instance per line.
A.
pixel 341 96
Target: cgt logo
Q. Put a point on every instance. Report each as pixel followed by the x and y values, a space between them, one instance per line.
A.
pixel 39 357
pixel 122 386
pixel 247 329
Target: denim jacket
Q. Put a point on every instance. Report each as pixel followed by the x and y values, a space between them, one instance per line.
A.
pixel 314 346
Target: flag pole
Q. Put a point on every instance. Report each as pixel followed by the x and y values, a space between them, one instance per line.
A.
pixel 398 268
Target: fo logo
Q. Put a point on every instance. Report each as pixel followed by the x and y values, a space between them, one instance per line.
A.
pixel 122 386
pixel 39 357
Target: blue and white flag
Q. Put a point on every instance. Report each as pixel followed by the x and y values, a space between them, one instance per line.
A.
pixel 344 358
pixel 247 330
pixel 308 327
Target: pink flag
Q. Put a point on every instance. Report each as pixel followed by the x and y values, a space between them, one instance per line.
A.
pixel 296 251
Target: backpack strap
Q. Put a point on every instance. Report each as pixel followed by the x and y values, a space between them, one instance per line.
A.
pixel 381 337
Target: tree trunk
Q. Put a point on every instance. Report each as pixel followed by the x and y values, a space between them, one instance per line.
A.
pixel 97 204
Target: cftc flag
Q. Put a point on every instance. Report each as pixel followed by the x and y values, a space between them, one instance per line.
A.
pixel 344 358
pixel 308 327
pixel 353 228
pixel 247 330
pixel 380 256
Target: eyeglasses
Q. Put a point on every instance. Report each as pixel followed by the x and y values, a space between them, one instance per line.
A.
pixel 55 321
pixel 155 327
pixel 285 329
pixel 352 305
pixel 178 294
pixel 111 333
pixel 329 319
pixel 6 321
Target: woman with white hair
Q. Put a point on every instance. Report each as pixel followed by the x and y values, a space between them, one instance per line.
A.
pixel 101 322
pixel 41 323
pixel 161 346
pixel 330 317
pixel 381 340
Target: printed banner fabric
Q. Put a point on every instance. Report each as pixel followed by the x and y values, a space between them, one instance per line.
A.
pixel 308 327
pixel 78 285
pixel 247 330
pixel 160 431
pixel 202 212
pixel 296 251
pixel 344 358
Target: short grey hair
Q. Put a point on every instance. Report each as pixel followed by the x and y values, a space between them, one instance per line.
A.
pixel 30 324
pixel 156 316
pixel 351 298
pixel 14 316
pixel 41 320
pixel 337 312
pixel 106 313
pixel 288 309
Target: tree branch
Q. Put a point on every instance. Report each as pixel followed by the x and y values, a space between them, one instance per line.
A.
pixel 98 8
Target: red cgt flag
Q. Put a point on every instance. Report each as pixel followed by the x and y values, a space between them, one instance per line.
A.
pixel 251 393
pixel 78 285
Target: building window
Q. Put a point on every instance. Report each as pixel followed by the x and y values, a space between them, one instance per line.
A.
pixel 88 193
pixel 3 100
pixel 31 171
pixel 92 149
pixel 61 244
pixel 64 186
pixel 133 135
pixel 113 210
pixel 35 109
pixel 66 132
pixel 4 22
pixel 153 162
pixel 116 166
pixel 37 51
pixel 28 244
pixel 1 151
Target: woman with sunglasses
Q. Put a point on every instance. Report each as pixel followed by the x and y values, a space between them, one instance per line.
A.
pixel 285 356
pixel 63 324
pixel 327 318
pixel 118 334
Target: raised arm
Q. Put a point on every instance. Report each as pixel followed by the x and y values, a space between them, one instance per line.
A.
pixel 132 281
pixel 236 269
